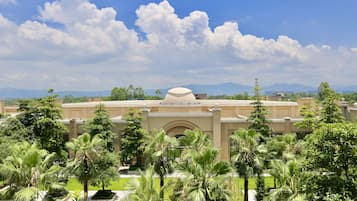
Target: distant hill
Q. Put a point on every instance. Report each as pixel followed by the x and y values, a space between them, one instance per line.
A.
pixel 210 89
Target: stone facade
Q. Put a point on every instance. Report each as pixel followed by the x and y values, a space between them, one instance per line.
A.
pixel 180 111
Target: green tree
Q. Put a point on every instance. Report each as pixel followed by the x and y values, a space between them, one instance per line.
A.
pixel 205 176
pixel 331 161
pixel 101 124
pixel 27 169
pixel 245 155
pixel 144 187
pixel 87 151
pixel 41 117
pixel 323 91
pixel 119 94
pixel 289 181
pixel 311 115
pixel 257 117
pixel 132 139
pixel 331 111
pixel 159 151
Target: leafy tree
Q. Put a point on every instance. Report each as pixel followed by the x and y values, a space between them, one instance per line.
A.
pixel 311 115
pixel 205 176
pixel 331 111
pixel 145 187
pixel 289 181
pixel 87 151
pixel 119 94
pixel 257 117
pixel 13 129
pixel 101 124
pixel 107 170
pixel 132 139
pixel 331 161
pixel 41 117
pixel 27 169
pixel 159 151
pixel 245 155
pixel 323 91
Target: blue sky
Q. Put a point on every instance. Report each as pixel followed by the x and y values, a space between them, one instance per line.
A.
pixel 148 43
pixel 319 22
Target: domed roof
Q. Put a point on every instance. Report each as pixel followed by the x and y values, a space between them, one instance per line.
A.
pixel 179 96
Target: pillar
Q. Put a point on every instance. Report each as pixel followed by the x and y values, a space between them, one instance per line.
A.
pixel 216 124
pixel 145 114
pixel 72 129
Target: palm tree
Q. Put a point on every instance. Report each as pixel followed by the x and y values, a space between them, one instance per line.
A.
pixel 288 180
pixel 205 176
pixel 159 150
pixel 245 155
pixel 27 169
pixel 145 187
pixel 86 152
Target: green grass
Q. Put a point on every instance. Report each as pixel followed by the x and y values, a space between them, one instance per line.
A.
pixel 122 183
pixel 236 186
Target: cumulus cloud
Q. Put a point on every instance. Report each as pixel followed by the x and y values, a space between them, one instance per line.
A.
pixel 93 50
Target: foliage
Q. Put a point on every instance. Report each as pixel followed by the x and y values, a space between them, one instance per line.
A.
pixel 242 96
pixel 107 170
pixel 145 187
pixel 87 151
pixel 132 139
pixel 331 111
pixel 331 161
pixel 288 179
pixel 260 188
pixel 311 115
pixel 257 117
pixel 245 153
pixel 159 151
pixel 284 147
pixel 100 124
pixel 41 117
pixel 72 99
pixel 118 94
pixel 26 170
pixel 205 176
pixel 323 91
pixel 177 192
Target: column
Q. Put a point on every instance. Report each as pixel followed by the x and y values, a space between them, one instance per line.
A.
pixel 216 128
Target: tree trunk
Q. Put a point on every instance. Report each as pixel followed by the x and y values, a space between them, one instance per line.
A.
pixel 162 183
pixel 85 189
pixel 103 186
pixel 245 188
pixel 274 183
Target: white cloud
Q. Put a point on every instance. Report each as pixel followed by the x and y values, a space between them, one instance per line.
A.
pixel 94 50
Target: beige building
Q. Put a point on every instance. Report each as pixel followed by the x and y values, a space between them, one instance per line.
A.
pixel 180 110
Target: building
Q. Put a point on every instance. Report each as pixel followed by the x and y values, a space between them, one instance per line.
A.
pixel 180 110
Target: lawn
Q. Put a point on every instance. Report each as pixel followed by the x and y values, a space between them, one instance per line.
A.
pixel 123 183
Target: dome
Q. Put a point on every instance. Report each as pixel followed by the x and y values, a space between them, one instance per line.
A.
pixel 179 96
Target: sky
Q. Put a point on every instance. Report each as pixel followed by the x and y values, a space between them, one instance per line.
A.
pixel 100 44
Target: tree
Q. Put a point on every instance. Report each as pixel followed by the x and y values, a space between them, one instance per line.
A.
pixel 145 187
pixel 132 139
pixel 257 117
pixel 331 111
pixel 101 124
pixel 41 117
pixel 87 151
pixel 323 91
pixel 119 94
pixel 27 169
pixel 331 161
pixel 205 176
pixel 245 155
pixel 159 151
pixel 289 181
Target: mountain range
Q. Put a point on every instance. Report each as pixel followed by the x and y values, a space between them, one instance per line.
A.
pixel 210 89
